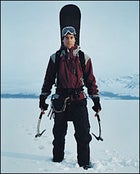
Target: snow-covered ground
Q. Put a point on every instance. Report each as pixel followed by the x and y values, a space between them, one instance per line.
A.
pixel 21 152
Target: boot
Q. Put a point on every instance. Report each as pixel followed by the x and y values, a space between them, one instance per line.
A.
pixel 87 166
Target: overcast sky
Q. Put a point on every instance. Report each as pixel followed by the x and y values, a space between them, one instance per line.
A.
pixel 30 34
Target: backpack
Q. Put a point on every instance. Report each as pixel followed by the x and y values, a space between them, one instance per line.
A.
pixel 81 58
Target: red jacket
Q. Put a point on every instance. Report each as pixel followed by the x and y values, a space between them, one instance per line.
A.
pixel 70 73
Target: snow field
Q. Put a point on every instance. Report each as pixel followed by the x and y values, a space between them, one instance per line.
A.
pixel 22 152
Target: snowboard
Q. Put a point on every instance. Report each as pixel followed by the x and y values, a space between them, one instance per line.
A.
pixel 70 15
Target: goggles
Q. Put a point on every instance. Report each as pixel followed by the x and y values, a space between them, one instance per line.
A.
pixel 69 29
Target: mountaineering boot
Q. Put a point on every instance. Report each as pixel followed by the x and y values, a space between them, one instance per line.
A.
pixel 87 166
pixel 57 160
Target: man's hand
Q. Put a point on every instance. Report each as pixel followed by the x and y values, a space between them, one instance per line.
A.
pixel 42 104
pixel 97 105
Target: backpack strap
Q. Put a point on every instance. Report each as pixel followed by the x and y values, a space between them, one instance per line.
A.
pixel 82 61
pixel 57 63
pixel 57 60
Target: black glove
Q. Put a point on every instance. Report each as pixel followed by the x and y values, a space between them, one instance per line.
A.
pixel 97 105
pixel 42 103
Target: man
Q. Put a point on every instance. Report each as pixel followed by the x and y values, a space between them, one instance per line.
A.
pixel 70 82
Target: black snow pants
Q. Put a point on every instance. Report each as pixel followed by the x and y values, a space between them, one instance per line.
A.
pixel 78 114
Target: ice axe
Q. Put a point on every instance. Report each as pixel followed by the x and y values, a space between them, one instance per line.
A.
pixel 39 121
pixel 98 137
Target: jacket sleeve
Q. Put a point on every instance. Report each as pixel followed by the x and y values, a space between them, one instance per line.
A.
pixel 49 78
pixel 90 80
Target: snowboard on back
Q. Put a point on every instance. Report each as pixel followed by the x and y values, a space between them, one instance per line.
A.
pixel 70 15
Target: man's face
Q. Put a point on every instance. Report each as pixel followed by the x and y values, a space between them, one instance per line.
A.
pixel 69 41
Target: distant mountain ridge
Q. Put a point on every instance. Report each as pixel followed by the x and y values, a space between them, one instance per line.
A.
pixel 123 87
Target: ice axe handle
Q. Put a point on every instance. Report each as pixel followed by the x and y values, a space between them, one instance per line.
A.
pixel 42 112
pixel 98 117
pixel 38 125
pixel 99 137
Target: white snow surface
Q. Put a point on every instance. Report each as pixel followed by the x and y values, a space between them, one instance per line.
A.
pixel 21 152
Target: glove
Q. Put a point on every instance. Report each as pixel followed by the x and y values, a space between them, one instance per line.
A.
pixel 97 105
pixel 42 104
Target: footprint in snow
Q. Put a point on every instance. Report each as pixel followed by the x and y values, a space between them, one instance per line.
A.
pixel 41 147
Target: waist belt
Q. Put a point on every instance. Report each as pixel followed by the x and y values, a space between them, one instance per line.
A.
pixel 74 92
